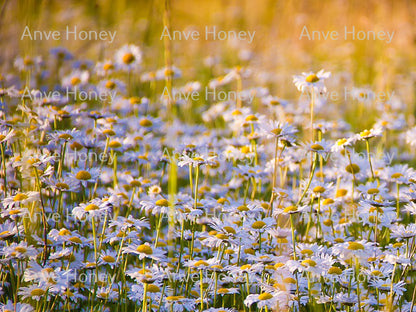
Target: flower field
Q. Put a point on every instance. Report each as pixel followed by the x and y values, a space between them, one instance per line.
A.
pixel 184 171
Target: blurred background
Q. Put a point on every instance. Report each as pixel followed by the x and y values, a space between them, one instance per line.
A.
pixel 277 52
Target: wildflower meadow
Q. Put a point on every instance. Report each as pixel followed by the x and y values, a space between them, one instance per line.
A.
pixel 218 156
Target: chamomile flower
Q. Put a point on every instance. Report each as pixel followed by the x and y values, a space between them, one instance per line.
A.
pixel 17 307
pixel 264 299
pixel 278 130
pixel 84 176
pixel 308 81
pixel 368 134
pixel 94 208
pixel 144 251
pixel 129 57
pixel 6 135
pixel 108 258
pixel 403 232
pixel 19 199
pixel 76 80
pixel 320 147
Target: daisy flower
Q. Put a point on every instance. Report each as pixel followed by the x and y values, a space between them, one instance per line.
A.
pixel 61 54
pixel 129 57
pixel 108 257
pixel 84 176
pixel 19 199
pixel 401 231
pixel 265 299
pixel 8 229
pixel 172 72
pixel 179 303
pixel 320 147
pixel 105 68
pixel 16 307
pixel 195 161
pixel 35 292
pixel 76 79
pixel 368 134
pixel 308 81
pixel 278 130
pixel 144 251
pixel 94 208
pixel 6 135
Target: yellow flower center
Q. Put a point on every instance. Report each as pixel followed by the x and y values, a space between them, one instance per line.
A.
pixel 265 296
pixel 114 144
pixel 76 240
pixel 146 249
pixel 221 236
pixel 145 123
pixel 353 168
pixel 20 249
pixel 83 175
pixel 365 133
pixel 174 298
pixel 229 229
pixel 328 222
pixel 341 142
pixel 75 81
pixel 28 61
pixel 312 78
pixel 20 197
pixel 317 147
pixel 290 209
pixel 66 136
pixel 151 288
pixel 355 246
pixel 373 191
pixel 110 84
pixel 251 118
pixel 134 100
pixel 223 291
pixel 308 262
pixel 201 263
pixel 258 225
pixel 91 207
pixel 162 202
pixel 276 131
pixel 109 259
pixel 335 270
pixel 245 149
pixel 319 189
pixel 62 185
pixel 289 280
pixel 308 252
pixel 76 146
pixel 128 58
pixel 396 175
pixel 243 208
pixel 37 292
pixel 108 66
pixel 341 193
pixel 328 201
pixel 64 232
